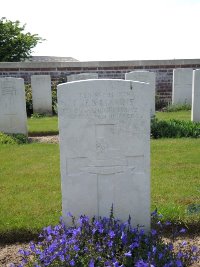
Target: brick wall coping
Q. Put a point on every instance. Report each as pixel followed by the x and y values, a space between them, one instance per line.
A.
pixel 100 64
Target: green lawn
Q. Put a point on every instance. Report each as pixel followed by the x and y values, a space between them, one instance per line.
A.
pixel 178 115
pixel 43 126
pixel 175 171
pixel 29 188
pixel 30 194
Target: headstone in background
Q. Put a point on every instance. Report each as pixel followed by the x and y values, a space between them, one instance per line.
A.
pixel 182 86
pixel 195 112
pixel 82 76
pixel 147 77
pixel 104 129
pixel 41 94
pixel 13 118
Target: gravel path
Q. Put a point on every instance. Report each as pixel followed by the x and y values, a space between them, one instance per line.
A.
pixel 51 139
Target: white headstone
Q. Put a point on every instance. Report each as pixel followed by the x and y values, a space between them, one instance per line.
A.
pixel 182 86
pixel 104 128
pixel 147 77
pixel 195 113
pixel 41 94
pixel 13 118
pixel 82 76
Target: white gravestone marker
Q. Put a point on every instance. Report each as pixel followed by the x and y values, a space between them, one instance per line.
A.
pixel 41 93
pixel 82 76
pixel 196 96
pixel 182 86
pixel 147 77
pixel 13 118
pixel 104 128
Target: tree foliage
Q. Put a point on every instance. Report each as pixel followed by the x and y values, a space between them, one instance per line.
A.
pixel 15 44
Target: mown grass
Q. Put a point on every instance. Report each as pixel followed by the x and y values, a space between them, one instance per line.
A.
pixel 30 193
pixel 178 115
pixel 175 172
pixel 29 188
pixel 43 126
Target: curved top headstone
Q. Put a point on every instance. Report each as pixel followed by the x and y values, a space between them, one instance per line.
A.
pixel 13 117
pixel 104 128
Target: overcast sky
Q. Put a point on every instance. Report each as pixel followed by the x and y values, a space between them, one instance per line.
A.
pixel 91 30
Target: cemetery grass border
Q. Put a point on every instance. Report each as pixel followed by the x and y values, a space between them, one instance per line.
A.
pixel 31 183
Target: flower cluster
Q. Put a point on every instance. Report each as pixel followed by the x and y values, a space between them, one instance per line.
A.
pixel 104 242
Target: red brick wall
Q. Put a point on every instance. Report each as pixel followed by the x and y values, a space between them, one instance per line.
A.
pixel 112 70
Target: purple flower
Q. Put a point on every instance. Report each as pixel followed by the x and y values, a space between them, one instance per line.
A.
pixel 184 243
pixel 154 249
pixel 91 263
pixel 195 249
pixel 111 234
pixel 153 232
pixel 128 254
pixel 76 231
pixel 159 223
pixel 134 245
pixel 179 263
pixel 124 238
pixel 182 231
pixel 141 263
pixel 72 263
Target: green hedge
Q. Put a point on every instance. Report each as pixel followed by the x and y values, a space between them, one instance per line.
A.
pixel 174 129
pixel 13 138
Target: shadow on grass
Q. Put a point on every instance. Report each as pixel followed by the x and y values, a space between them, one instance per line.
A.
pixel 20 235
pixel 25 235
pixel 47 133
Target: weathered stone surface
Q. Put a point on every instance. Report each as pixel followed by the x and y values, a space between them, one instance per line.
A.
pixel 147 77
pixel 182 86
pixel 82 76
pixel 104 128
pixel 13 118
pixel 41 93
pixel 195 114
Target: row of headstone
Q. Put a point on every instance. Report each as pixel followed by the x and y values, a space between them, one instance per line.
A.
pixel 104 128
pixel 186 90
pixel 13 97
pixel 13 117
